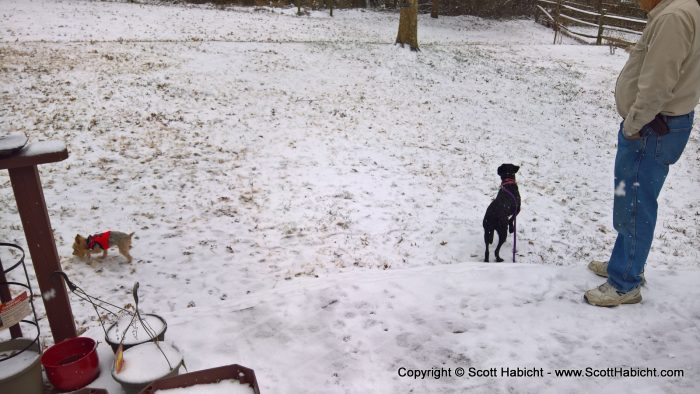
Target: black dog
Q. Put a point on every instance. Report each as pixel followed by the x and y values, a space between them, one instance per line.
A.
pixel 500 214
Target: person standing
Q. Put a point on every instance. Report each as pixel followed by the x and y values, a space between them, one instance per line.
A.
pixel 656 94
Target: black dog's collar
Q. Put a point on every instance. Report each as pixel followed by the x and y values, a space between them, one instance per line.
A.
pixel 509 181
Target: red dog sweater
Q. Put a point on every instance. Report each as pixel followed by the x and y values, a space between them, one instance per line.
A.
pixel 101 240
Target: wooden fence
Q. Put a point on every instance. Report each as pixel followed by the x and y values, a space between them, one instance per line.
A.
pixel 608 23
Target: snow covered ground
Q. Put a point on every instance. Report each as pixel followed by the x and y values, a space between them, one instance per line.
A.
pixel 307 197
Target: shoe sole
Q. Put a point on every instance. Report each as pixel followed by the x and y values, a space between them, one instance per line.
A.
pixel 634 300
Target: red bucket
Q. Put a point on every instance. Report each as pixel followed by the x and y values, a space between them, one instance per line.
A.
pixel 72 363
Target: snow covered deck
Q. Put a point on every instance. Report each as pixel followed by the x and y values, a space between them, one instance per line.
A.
pixel 359 332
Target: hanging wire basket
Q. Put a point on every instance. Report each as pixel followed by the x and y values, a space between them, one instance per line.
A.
pixel 126 317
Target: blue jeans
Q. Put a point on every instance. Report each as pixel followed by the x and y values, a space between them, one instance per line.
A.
pixel 641 167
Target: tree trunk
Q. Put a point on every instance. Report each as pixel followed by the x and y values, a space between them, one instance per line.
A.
pixel 434 9
pixel 331 2
pixel 408 25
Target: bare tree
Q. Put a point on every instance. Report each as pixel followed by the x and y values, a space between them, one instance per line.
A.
pixel 434 9
pixel 408 24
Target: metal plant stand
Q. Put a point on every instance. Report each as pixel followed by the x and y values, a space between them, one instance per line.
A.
pixel 6 297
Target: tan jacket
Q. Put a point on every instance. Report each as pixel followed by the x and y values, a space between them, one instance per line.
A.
pixel 662 74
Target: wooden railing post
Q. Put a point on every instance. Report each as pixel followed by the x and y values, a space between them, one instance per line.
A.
pixel 601 16
pixel 556 20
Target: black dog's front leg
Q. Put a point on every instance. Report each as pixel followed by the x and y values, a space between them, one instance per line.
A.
pixel 511 224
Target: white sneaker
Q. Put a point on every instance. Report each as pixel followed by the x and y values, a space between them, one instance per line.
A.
pixel 600 268
pixel 606 295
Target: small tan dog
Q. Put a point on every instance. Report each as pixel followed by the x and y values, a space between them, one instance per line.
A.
pixel 83 247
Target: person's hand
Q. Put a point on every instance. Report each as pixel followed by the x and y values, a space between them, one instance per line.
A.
pixel 630 135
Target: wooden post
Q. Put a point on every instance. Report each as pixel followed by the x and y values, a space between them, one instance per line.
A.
pixel 29 196
pixel 601 15
pixel 434 9
pixel 556 20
